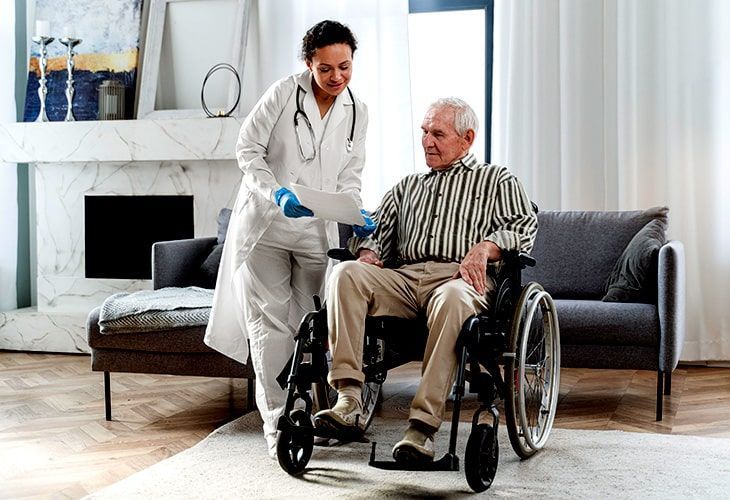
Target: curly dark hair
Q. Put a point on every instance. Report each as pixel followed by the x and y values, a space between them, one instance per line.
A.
pixel 326 33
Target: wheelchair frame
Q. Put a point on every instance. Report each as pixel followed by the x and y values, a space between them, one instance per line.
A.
pixel 508 334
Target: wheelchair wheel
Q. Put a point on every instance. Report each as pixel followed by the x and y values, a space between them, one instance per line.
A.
pixel 532 371
pixel 325 396
pixel 294 446
pixel 481 457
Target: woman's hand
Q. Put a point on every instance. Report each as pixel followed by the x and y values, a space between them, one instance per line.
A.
pixel 367 256
pixel 367 229
pixel 290 205
pixel 473 268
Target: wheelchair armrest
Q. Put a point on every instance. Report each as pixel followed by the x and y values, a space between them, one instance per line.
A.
pixel 527 260
pixel 342 254
pixel 517 259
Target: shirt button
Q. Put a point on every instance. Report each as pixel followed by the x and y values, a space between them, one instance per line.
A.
pixel 439 194
pixel 430 236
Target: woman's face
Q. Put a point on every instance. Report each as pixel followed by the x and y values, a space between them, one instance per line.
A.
pixel 331 67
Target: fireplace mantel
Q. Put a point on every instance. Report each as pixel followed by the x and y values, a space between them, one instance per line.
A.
pixel 119 140
pixel 72 160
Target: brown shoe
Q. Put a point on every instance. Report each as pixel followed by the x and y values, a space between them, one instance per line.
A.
pixel 416 446
pixel 346 415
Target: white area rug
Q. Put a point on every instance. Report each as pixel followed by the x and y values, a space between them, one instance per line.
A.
pixel 233 463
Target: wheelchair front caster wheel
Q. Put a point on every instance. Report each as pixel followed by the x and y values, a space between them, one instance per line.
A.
pixel 294 443
pixel 481 458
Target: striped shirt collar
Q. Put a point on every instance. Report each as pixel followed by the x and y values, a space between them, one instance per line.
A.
pixel 468 162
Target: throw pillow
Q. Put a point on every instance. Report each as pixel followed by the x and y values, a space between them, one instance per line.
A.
pixel 224 217
pixel 208 271
pixel 634 277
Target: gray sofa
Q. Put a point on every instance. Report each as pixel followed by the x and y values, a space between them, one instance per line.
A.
pixel 576 253
pixel 178 351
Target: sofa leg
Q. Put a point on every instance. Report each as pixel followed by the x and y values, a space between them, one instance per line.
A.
pixel 668 383
pixel 107 397
pixel 659 394
pixel 250 394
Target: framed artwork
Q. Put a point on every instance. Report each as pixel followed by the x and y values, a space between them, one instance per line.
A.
pixel 185 39
pixel 109 50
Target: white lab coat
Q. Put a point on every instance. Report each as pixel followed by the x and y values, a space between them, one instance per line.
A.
pixel 269 157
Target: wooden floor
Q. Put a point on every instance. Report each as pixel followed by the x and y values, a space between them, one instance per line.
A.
pixel 55 443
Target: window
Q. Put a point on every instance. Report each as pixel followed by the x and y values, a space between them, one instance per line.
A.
pixel 450 47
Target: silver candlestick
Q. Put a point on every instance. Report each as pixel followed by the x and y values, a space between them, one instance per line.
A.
pixel 43 41
pixel 70 43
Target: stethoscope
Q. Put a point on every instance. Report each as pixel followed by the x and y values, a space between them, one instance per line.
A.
pixel 300 114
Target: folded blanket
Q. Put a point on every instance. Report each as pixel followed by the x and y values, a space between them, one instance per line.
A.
pixel 155 310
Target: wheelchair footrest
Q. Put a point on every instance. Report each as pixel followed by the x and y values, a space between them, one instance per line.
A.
pixel 349 436
pixel 448 462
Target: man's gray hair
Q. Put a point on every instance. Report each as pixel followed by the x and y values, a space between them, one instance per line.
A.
pixel 464 116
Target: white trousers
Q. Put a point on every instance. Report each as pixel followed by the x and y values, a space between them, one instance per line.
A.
pixel 285 269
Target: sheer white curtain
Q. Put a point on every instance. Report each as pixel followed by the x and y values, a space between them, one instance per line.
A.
pixel 623 105
pixel 380 76
pixel 8 172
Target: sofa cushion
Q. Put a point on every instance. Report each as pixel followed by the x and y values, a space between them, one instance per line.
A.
pixel 182 340
pixel 592 322
pixel 634 277
pixel 576 251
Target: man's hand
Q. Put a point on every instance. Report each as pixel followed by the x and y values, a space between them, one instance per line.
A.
pixel 369 257
pixel 473 268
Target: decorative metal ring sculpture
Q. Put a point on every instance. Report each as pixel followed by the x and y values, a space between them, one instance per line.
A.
pixel 220 113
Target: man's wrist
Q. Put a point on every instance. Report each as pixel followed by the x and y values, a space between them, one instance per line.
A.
pixel 492 249
pixel 362 250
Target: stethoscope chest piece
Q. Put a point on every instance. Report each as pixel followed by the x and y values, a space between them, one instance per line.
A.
pixel 348 145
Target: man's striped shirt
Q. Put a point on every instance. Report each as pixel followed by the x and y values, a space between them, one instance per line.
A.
pixel 441 215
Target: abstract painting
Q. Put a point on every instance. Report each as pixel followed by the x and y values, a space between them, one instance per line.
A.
pixel 109 30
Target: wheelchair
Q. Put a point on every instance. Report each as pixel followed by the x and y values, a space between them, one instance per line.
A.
pixel 520 333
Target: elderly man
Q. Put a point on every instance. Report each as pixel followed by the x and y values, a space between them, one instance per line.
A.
pixel 436 233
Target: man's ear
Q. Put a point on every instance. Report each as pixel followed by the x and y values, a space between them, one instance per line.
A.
pixel 469 137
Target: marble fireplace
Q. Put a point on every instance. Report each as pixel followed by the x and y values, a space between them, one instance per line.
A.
pixel 190 158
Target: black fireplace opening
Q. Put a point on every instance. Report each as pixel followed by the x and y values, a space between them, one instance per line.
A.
pixel 120 231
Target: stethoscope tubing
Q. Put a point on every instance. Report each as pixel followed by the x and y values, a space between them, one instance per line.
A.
pixel 348 142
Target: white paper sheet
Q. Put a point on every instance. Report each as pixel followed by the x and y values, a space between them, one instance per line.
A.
pixel 339 207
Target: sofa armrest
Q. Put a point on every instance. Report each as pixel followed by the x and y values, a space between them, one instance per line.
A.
pixel 174 263
pixel 671 303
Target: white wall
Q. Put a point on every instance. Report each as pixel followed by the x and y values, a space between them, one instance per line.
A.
pixel 8 172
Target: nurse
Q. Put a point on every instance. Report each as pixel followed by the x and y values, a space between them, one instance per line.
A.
pixel 307 129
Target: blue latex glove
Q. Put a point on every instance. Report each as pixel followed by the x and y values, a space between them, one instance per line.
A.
pixel 290 205
pixel 367 229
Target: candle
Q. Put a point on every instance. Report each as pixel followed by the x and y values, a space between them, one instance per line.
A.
pixel 69 32
pixel 42 28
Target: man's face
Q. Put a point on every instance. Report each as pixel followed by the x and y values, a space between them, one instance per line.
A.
pixel 441 143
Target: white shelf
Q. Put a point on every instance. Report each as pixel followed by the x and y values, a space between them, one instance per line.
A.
pixel 119 140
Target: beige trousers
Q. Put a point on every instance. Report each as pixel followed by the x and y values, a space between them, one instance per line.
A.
pixel 357 290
